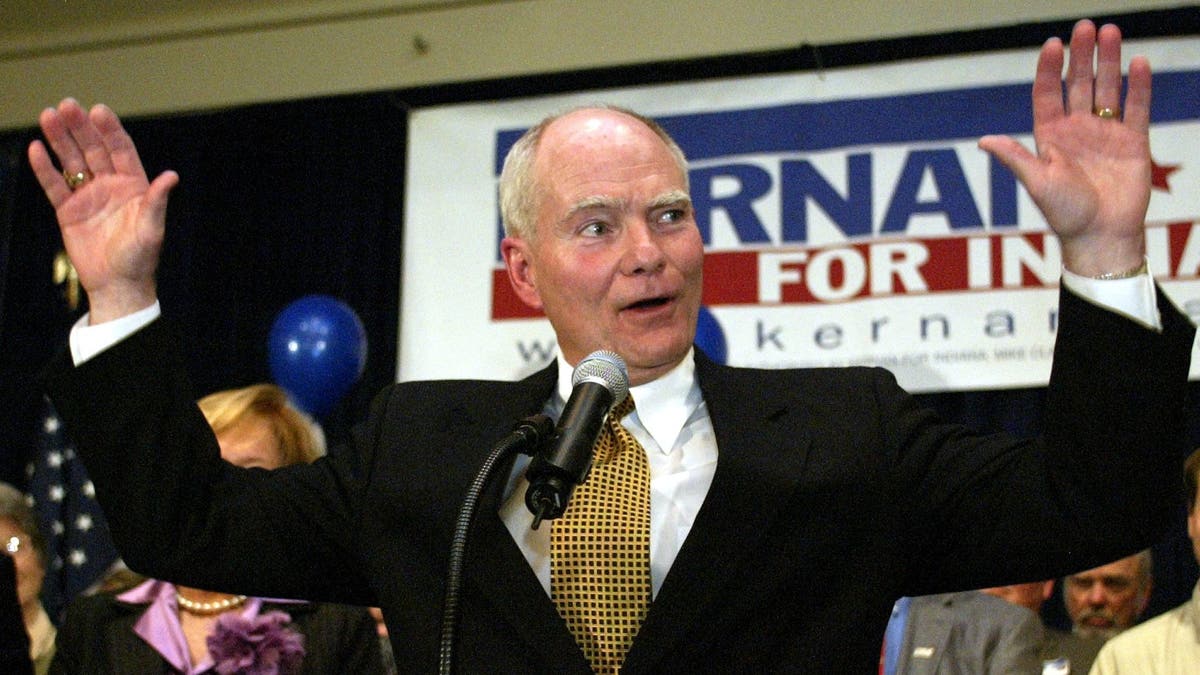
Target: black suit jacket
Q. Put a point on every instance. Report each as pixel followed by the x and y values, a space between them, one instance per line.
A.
pixel 833 495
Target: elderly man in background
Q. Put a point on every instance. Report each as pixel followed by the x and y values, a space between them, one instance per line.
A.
pixel 1106 600
pixel 1101 602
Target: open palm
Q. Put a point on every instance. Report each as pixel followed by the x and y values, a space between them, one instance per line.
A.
pixel 112 225
pixel 1091 174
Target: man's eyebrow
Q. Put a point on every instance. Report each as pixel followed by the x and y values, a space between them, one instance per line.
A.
pixel 594 202
pixel 672 198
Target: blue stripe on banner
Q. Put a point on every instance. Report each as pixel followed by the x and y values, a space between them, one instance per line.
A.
pixel 908 118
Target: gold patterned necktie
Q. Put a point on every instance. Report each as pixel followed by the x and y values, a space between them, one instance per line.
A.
pixel 600 548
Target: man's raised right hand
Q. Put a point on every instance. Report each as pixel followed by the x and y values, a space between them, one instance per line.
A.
pixel 113 222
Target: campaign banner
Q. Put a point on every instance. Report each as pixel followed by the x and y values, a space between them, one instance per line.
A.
pixel 848 217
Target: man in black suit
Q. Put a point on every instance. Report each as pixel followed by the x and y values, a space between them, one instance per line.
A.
pixel 831 493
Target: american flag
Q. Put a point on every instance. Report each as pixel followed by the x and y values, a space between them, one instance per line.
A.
pixel 79 547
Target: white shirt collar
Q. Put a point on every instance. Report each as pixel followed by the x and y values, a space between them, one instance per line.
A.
pixel 664 405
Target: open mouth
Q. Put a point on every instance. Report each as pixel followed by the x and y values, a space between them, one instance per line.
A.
pixel 649 303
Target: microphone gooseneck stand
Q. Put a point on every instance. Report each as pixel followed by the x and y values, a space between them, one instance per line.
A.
pixel 528 436
pixel 599 380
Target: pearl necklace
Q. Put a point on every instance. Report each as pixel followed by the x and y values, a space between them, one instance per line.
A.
pixel 209 607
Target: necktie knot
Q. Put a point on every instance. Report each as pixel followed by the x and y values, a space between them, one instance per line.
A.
pixel 610 445
pixel 622 409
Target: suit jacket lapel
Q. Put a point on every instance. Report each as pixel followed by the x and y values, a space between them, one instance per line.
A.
pixel 756 473
pixel 495 565
pixel 926 636
pixel 124 645
pixel 505 580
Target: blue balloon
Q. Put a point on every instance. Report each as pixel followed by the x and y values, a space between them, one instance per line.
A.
pixel 317 350
pixel 709 336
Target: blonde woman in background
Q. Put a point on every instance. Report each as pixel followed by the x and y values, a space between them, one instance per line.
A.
pixel 162 628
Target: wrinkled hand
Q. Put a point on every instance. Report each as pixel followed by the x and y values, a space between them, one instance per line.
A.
pixel 112 225
pixel 1091 175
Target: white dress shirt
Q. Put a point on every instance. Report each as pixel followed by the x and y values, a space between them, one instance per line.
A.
pixel 672 424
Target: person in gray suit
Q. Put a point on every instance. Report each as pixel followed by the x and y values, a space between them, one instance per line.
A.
pixel 1062 652
pixel 968 632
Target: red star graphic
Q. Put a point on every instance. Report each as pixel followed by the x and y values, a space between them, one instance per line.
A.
pixel 1159 173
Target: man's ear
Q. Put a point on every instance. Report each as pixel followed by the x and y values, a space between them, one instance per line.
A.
pixel 518 261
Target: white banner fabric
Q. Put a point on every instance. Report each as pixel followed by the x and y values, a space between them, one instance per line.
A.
pixel 848 218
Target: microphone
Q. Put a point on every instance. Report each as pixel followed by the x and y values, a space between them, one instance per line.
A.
pixel 599 382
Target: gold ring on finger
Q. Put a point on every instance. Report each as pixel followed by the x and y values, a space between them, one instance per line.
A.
pixel 1106 112
pixel 75 178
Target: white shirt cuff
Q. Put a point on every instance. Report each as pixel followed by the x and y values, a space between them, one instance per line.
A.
pixel 87 341
pixel 1133 298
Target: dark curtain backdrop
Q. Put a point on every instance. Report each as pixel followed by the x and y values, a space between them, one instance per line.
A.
pixel 275 202
pixel 282 200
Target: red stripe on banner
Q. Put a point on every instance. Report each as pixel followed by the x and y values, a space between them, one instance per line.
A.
pixel 1177 235
pixel 947 266
pixel 877 268
pixel 505 303
pixel 1038 241
pixel 996 258
pixel 730 278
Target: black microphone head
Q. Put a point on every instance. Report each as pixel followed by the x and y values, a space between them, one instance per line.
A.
pixel 606 368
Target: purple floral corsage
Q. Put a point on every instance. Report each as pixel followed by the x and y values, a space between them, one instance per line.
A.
pixel 263 645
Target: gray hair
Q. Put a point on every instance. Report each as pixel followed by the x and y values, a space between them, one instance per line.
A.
pixel 519 191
